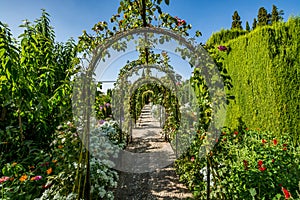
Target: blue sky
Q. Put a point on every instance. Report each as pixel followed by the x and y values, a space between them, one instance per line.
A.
pixel 70 17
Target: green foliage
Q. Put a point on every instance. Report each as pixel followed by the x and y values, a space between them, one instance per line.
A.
pixel 236 170
pixel 254 24
pixel 276 15
pixel 236 21
pixel 224 36
pixel 102 106
pixel 35 82
pixel 131 15
pixel 247 26
pixel 263 66
pixel 51 175
pixel 262 17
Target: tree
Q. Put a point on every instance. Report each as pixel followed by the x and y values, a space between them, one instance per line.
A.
pixel 254 24
pixel 262 17
pixel 276 15
pixel 247 26
pixel 37 95
pixel 236 23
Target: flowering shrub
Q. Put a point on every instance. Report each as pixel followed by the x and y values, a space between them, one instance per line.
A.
pixel 244 164
pixel 51 175
pixel 103 106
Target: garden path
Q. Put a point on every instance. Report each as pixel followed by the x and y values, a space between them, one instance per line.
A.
pixel 159 184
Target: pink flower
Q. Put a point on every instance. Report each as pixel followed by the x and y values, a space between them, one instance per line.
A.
pixel 222 48
pixel 36 178
pixel 192 158
pixel 4 178
pixel 180 21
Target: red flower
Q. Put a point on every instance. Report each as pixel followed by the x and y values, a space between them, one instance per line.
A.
pixel 286 193
pixel 284 145
pixel 262 169
pixel 236 133
pixel 273 160
pixel 284 149
pixel 275 141
pixel 264 141
pixel 260 166
pixel 260 162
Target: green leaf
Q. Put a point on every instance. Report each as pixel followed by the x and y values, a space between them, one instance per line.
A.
pixel 198 33
pixel 119 10
pixel 252 192
pixel 2 52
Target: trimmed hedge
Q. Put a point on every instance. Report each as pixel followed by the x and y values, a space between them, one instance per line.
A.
pixel 264 68
pixel 224 36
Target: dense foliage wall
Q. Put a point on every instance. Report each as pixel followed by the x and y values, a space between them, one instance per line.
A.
pixel 264 70
pixel 35 86
pixel 224 36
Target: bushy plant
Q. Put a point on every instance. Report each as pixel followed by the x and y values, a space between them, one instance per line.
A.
pixel 244 164
pixel 263 70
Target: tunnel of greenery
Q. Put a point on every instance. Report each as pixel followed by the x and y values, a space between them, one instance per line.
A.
pixel 49 146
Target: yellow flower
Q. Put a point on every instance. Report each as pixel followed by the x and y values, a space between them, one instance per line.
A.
pixel 54 161
pixel 23 178
pixel 14 164
pixel 49 171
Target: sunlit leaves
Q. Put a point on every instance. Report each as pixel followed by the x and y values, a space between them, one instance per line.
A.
pixel 34 70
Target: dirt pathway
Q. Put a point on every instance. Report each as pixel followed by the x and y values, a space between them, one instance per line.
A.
pixel 161 183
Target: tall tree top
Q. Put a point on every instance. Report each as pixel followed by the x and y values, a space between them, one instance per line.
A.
pixel 276 15
pixel 247 26
pixel 236 23
pixel 254 24
pixel 262 17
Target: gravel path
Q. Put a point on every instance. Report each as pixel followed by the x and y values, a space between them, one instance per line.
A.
pixel 159 183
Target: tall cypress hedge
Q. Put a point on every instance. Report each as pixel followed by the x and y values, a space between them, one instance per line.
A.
pixel 264 67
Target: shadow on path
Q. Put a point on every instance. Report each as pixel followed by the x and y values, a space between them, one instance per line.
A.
pixel 159 184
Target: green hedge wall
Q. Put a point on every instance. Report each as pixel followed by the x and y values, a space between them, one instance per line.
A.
pixel 264 67
pixel 224 36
